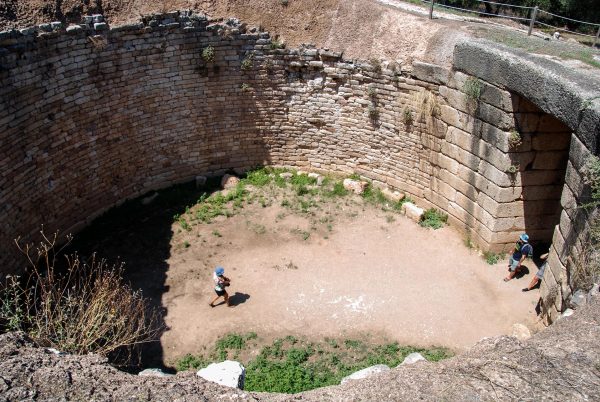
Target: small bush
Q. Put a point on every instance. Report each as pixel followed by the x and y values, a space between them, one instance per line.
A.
pixel 208 54
pixel 376 64
pixel 513 169
pixel 284 3
pixel 87 308
pixel 432 218
pixel 372 91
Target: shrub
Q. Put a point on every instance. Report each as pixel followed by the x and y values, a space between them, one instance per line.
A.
pixel 85 308
pixel 208 54
pixel 432 218
pixel 376 64
pixel 276 44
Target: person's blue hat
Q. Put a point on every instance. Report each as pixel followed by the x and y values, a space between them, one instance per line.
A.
pixel 219 271
pixel 524 237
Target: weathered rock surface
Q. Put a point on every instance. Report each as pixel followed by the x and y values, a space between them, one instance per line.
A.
pixel 521 332
pixel 559 363
pixel 366 372
pixel 154 373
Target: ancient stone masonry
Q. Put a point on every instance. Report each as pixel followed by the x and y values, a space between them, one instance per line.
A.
pixel 92 115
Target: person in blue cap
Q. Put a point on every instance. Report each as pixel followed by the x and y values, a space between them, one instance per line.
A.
pixel 522 250
pixel 221 282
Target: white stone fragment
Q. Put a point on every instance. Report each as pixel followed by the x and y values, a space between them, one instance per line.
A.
pixel 154 372
pixel 356 186
pixel 412 211
pixel 364 373
pixel 228 373
pixel 392 195
pixel 521 332
pixel 412 358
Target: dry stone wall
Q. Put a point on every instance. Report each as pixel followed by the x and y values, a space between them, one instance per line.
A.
pixel 92 116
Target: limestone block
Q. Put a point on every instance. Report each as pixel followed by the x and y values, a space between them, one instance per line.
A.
pixel 100 26
pixel 527 123
pixel 228 373
pixel 229 181
pixel 394 196
pixel 412 358
pixel 364 373
pixel 496 97
pixel 356 186
pixel 550 160
pixel 521 332
pixel 430 72
pixel 412 211
pixel 550 141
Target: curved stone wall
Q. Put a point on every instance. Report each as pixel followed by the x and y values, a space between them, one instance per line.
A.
pixel 92 116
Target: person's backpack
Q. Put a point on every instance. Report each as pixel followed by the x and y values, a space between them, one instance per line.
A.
pixel 527 249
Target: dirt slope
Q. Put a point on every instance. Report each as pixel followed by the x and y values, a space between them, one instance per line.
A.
pixel 361 28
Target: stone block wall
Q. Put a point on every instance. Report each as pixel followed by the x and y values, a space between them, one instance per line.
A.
pixel 91 116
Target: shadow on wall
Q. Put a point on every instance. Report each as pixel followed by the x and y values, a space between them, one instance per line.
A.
pixel 539 154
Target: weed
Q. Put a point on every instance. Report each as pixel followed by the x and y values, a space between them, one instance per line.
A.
pixel 216 233
pixel 247 63
pixel 245 87
pixel 373 112
pixel 275 44
pixel 338 190
pixel 407 117
pixel 512 169
pixel 433 218
pixel 292 365
pixel 186 244
pixel 208 54
pixel 98 42
pixel 372 91
pixel 472 88
pixel 258 177
pixel 469 243
pixel 284 3
pixel 514 139
pixel 390 218
pixel 190 362
pixel 305 235
pixel 285 203
pixel 492 258
pixel 376 64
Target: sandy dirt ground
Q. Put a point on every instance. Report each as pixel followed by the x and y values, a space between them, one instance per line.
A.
pixel 372 274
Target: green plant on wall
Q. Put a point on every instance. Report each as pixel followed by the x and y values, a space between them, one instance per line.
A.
pixel 407 116
pixel 247 62
pixel 512 169
pixel 373 112
pixel 514 139
pixel 208 54
pixel 472 88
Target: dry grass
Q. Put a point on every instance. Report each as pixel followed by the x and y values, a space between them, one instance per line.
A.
pixel 85 308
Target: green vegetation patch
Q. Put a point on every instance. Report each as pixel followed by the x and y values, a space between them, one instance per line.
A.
pixel 433 218
pixel 292 365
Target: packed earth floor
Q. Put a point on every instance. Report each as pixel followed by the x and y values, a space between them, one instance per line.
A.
pixel 306 260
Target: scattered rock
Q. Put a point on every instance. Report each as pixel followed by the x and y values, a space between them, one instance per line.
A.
pixel 567 313
pixel 356 186
pixel 392 195
pixel 364 373
pixel 594 291
pixel 229 373
pixel 286 175
pixel 412 211
pixel 149 199
pixel 556 35
pixel 200 181
pixel 578 299
pixel 229 181
pixel 521 332
pixel 318 177
pixel 154 372
pixel 56 351
pixel 412 358
pixel 301 172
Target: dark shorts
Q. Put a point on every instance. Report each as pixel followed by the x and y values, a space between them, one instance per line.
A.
pixel 220 292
